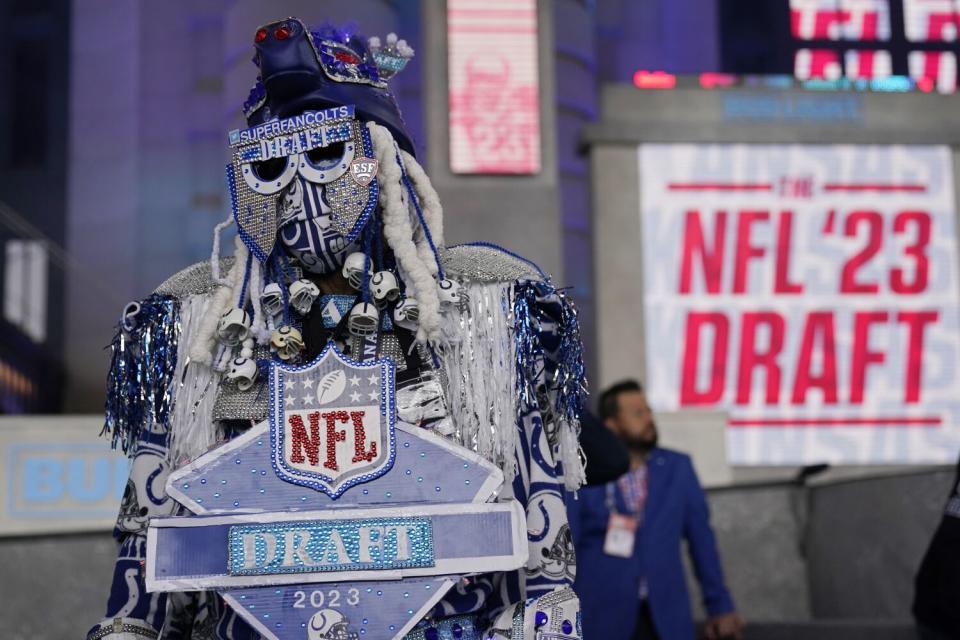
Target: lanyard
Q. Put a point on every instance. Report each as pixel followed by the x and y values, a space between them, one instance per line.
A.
pixel 611 503
pixel 611 500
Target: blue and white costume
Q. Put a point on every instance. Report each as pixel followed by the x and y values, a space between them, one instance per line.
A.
pixel 487 349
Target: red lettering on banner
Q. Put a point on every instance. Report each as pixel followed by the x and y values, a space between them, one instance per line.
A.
pixel 817 329
pixel 916 251
pixel 707 356
pixel 360 454
pixel 782 282
pixel 301 443
pixel 334 436
pixel 751 358
pixel 744 250
pixel 916 322
pixel 862 355
pixel 696 321
pixel 848 276
pixel 711 259
pixel 796 187
pixel 817 344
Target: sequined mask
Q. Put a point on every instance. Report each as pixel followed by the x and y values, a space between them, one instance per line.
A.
pixel 309 178
pixel 307 231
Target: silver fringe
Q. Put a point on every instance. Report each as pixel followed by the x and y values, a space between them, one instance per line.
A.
pixel 192 428
pixel 479 362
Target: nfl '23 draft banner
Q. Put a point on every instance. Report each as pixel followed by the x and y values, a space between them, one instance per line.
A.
pixel 810 292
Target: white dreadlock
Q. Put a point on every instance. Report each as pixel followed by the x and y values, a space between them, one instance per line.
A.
pixel 417 262
pixel 215 253
pixel 429 203
pixel 201 348
pixel 260 331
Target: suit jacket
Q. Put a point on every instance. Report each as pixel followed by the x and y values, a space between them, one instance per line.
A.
pixel 938 580
pixel 609 586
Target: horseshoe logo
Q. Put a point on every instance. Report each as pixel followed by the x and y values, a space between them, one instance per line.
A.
pixel 537 537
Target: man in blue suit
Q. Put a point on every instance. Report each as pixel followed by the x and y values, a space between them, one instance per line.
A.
pixel 628 535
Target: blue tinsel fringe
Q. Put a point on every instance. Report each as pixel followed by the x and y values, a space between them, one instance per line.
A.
pixel 570 377
pixel 140 381
pixel 540 304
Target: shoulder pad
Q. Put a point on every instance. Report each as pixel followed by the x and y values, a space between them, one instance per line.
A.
pixel 485 262
pixel 193 280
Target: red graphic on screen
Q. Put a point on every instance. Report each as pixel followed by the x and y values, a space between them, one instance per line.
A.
pixel 840 19
pixel 868 64
pixel 493 86
pixel 933 70
pixel 494 112
pixel 817 64
pixel 930 20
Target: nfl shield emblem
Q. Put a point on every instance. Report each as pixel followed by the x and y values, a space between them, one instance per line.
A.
pixel 332 421
pixel 363 170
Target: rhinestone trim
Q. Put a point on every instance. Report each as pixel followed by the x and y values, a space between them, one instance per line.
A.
pixel 342 540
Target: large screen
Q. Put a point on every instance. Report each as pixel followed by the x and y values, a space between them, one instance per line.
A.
pixel 809 291
pixel 494 98
pixel 871 39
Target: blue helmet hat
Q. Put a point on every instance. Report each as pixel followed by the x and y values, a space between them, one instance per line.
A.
pixel 303 69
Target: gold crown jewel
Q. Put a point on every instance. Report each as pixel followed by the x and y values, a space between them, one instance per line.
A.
pixel 392 58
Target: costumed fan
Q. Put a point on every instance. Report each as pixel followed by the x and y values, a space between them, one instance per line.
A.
pixel 355 409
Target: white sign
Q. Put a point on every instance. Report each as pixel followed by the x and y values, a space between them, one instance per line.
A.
pixel 58 475
pixel 809 291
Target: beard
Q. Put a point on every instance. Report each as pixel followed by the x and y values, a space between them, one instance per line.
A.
pixel 642 443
